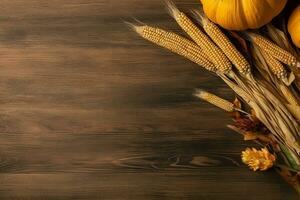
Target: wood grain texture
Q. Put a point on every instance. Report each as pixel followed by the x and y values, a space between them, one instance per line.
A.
pixel 91 111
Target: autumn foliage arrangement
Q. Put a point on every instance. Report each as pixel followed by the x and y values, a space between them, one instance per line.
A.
pixel 258 61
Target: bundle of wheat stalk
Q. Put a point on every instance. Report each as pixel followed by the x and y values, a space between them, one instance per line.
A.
pixel 267 85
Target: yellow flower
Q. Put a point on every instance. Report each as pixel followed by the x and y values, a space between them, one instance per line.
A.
pixel 258 159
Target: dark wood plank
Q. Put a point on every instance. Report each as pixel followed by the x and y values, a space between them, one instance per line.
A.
pixel 91 111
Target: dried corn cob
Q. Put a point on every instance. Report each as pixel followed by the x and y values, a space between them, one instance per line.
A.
pixel 224 43
pixel 215 100
pixel 214 53
pixel 176 44
pixel 274 50
pixel 275 66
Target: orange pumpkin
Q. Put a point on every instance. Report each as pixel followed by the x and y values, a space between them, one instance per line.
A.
pixel 294 26
pixel 242 14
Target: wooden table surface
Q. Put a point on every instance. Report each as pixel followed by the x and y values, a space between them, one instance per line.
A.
pixel 91 111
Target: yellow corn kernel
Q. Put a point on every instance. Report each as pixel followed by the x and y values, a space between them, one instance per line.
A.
pixel 274 50
pixel 225 44
pixel 176 44
pixel 214 53
pixel 215 100
pixel 275 66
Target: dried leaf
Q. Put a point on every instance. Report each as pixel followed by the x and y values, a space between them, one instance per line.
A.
pixel 288 95
pixel 278 36
pixel 295 110
pixel 288 81
pixel 235 129
pixel 237 103
pixel 250 136
pixel 253 115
